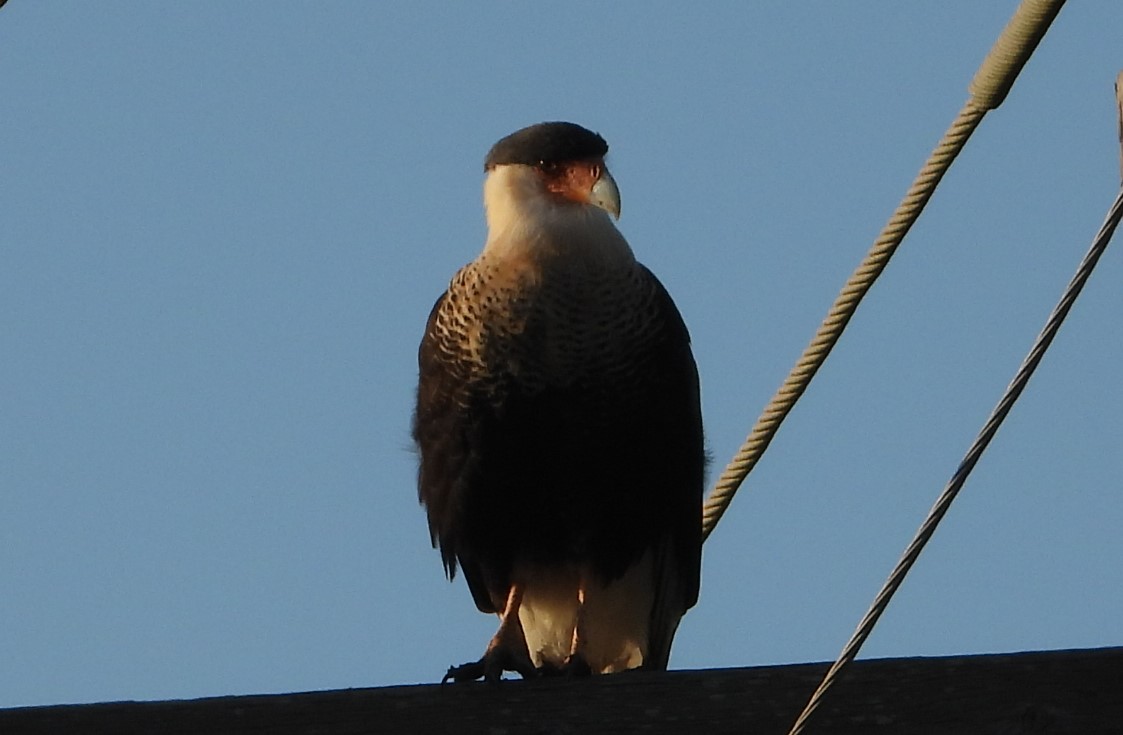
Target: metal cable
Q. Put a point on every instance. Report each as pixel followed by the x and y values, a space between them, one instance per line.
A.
pixel 1017 385
pixel 989 87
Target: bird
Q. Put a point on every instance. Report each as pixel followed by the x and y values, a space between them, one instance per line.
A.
pixel 558 424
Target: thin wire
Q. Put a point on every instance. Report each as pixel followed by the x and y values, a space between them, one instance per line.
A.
pixel 1017 385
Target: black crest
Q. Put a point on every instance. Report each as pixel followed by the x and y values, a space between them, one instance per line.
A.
pixel 548 142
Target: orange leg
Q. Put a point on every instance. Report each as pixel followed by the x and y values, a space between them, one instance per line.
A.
pixel 506 651
pixel 575 664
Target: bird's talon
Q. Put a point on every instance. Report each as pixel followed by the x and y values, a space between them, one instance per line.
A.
pixel 465 672
pixel 576 666
pixel 490 668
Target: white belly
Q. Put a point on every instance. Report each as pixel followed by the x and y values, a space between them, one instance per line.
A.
pixel 613 630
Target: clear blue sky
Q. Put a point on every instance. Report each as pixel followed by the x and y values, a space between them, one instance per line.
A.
pixel 222 226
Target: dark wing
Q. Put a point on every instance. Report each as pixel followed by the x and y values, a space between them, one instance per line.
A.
pixel 442 432
pixel 675 456
pixel 459 426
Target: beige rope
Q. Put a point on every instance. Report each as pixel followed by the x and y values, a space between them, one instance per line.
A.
pixel 840 313
pixel 991 83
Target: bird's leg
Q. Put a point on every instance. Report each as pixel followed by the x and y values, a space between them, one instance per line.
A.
pixel 575 663
pixel 506 651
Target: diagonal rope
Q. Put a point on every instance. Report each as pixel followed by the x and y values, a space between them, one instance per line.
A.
pixel 839 315
pixel 988 89
pixel 1017 385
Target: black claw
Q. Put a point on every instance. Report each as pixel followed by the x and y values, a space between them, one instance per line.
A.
pixel 548 669
pixel 577 666
pixel 490 668
pixel 465 672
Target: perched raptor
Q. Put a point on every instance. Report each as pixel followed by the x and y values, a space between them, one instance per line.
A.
pixel 558 423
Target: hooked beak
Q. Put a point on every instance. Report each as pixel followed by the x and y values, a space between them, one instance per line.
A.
pixel 605 195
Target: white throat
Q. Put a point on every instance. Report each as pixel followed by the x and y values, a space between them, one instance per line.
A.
pixel 525 221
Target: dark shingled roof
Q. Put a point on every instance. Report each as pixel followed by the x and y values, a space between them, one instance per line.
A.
pixel 548 142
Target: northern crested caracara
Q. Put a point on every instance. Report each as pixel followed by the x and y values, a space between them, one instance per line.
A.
pixel 559 426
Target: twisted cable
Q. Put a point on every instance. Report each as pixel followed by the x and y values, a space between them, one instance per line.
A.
pixel 997 416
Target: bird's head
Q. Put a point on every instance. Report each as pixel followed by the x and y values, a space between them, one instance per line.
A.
pixel 550 166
